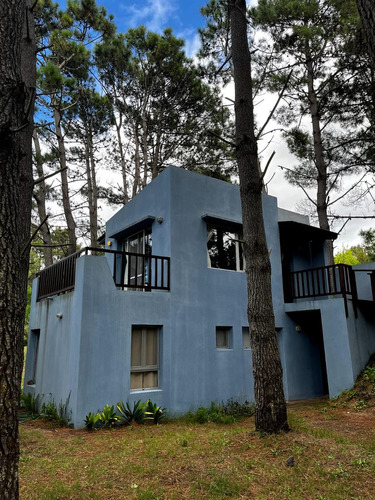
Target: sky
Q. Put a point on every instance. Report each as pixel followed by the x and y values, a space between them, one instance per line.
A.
pixel 185 19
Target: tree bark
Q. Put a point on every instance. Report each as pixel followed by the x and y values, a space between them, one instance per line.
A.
pixel 270 407
pixel 64 184
pixel 92 189
pixel 40 198
pixel 136 161
pixel 122 160
pixel 366 9
pixel 17 93
pixel 322 187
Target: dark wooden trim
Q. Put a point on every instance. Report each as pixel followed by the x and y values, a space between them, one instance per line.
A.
pixel 323 281
pixel 60 277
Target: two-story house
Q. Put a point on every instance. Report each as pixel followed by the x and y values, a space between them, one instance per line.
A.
pixel 160 313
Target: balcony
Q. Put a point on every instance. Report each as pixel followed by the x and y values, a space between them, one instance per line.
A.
pixel 327 281
pixel 130 271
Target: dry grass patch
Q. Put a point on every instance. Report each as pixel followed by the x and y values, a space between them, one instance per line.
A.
pixel 334 455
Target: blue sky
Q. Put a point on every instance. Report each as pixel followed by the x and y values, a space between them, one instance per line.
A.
pixel 182 15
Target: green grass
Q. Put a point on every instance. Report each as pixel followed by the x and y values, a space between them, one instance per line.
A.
pixel 183 460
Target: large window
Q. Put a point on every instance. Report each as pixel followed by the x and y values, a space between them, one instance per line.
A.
pixel 224 248
pixel 144 372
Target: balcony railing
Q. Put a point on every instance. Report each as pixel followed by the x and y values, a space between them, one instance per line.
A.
pixel 324 281
pixel 130 271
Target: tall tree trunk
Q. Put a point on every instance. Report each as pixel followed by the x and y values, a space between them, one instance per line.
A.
pixel 93 193
pixel 40 198
pixel 136 161
pixel 270 407
pixel 64 184
pixel 322 185
pixel 366 9
pixel 17 93
pixel 155 160
pixel 144 146
pixel 122 160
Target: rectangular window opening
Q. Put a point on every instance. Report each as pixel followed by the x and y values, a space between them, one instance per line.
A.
pixel 245 337
pixel 33 353
pixel 225 249
pixel 144 370
pixel 137 266
pixel 223 337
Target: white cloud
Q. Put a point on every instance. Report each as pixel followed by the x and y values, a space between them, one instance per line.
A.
pixel 155 14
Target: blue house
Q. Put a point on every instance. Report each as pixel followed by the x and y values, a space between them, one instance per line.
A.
pixel 160 312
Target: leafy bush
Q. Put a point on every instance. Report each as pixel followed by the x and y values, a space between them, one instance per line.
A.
pixel 140 413
pixel 31 403
pixel 227 413
pixel 212 414
pixel 154 412
pixel 128 415
pixel 108 417
pixel 92 421
pixel 238 410
pixel 369 374
pixel 61 414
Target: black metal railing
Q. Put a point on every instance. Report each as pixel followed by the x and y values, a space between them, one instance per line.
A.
pixel 324 281
pixel 130 271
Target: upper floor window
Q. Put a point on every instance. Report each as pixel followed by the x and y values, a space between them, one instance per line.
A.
pixel 224 248
pixel 137 268
pixel 140 242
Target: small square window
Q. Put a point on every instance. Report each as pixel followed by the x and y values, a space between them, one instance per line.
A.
pixel 245 337
pixel 223 339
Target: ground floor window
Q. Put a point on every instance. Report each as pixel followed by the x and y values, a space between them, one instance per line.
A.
pixel 245 337
pixel 223 337
pixel 144 372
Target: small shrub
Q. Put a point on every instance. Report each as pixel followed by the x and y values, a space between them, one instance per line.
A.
pixel 92 421
pixel 227 413
pixel 128 415
pixel 154 412
pixel 108 417
pixel 31 403
pixel 61 414
pixel 238 410
pixel 369 374
pixel 212 414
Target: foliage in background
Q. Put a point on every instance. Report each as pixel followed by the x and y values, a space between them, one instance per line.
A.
pixel 358 254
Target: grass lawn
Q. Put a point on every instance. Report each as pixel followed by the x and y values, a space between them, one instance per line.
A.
pixel 333 450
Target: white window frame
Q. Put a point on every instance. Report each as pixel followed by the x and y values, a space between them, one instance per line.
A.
pixel 238 240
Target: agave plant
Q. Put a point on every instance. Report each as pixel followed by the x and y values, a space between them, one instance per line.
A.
pixel 108 417
pixel 129 415
pixel 92 421
pixel 154 412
